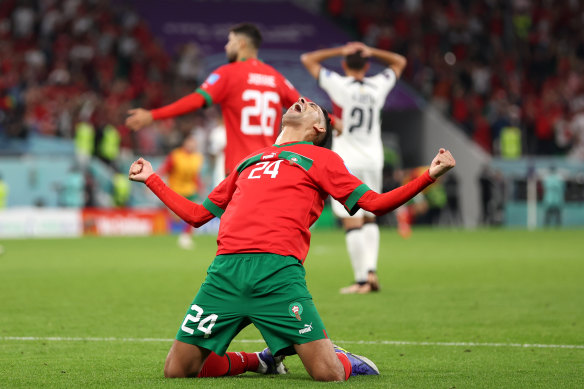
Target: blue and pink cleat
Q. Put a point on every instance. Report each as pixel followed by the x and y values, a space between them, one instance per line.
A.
pixel 270 364
pixel 360 365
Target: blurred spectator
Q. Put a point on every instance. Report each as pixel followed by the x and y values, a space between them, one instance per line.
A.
pixel 576 136
pixel 489 64
pixel 84 142
pixel 182 167
pixel 436 198
pixel 216 148
pixel 89 189
pixel 414 211
pixel 3 193
pixel 109 144
pixel 553 197
pixel 486 191
pixel 473 60
pixel 499 195
pixel 121 189
pixel 63 62
pixel 72 189
pixel 451 213
pixel 189 64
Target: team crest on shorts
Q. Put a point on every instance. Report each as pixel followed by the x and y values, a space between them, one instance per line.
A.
pixel 295 310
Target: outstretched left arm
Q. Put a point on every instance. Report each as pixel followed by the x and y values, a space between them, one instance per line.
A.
pixel 383 203
pixel 192 213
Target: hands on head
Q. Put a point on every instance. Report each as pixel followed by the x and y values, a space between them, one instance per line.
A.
pixel 442 162
pixel 140 170
pixel 353 47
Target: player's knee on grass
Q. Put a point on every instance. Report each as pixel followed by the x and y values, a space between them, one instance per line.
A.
pixel 329 375
pixel 184 360
pixel 329 370
pixel 320 361
pixel 176 370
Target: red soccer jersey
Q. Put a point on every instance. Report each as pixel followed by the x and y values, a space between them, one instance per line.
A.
pixel 252 96
pixel 269 202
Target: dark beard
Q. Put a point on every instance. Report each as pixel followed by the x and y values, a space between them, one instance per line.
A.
pixel 231 58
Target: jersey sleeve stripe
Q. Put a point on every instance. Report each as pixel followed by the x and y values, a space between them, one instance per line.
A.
pixel 207 96
pixel 214 209
pixel 351 203
pixel 248 162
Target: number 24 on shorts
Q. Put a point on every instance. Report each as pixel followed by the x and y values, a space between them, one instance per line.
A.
pixel 209 321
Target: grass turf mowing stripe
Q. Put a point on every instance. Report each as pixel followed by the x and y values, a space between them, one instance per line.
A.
pixel 376 342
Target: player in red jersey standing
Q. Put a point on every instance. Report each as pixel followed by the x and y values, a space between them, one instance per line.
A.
pixel 251 94
pixel 267 205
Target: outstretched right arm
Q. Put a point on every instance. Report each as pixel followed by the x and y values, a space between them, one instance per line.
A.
pixel 140 117
pixel 192 213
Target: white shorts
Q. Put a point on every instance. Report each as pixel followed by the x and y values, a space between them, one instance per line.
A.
pixel 370 177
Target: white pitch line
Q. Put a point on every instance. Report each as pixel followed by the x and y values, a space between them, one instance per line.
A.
pixel 374 342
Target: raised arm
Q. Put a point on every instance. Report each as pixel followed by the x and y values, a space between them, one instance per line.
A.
pixel 312 60
pixel 192 213
pixel 392 60
pixel 139 117
pixel 383 203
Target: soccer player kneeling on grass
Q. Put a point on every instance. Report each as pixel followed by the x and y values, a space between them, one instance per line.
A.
pixel 266 207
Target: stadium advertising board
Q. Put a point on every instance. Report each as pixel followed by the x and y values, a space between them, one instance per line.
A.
pixel 40 223
pixel 108 222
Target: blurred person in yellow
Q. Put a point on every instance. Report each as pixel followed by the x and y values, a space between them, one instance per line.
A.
pixel 3 193
pixel 182 167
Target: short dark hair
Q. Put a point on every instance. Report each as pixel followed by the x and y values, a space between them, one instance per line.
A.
pixel 325 140
pixel 251 31
pixel 355 61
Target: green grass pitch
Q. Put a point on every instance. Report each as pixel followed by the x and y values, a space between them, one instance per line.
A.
pixel 457 309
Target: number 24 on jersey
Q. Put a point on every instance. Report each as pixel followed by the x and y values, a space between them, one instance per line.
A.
pixel 265 168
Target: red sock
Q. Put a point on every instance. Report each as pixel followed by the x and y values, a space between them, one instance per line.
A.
pixel 346 364
pixel 229 364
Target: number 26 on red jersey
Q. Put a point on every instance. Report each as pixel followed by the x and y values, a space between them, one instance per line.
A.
pixel 261 108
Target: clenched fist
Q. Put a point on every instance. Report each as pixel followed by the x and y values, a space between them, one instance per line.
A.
pixel 140 170
pixel 442 162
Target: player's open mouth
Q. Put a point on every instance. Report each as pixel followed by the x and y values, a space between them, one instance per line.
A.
pixel 297 107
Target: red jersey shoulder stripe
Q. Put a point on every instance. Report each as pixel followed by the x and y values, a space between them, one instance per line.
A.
pixel 248 162
pixel 295 158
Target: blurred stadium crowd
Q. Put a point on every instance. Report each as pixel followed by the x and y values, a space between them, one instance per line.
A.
pixel 506 72
pixel 488 64
pixel 72 61
pixel 493 66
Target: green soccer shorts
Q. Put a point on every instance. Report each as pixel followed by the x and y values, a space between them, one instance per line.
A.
pixel 267 290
